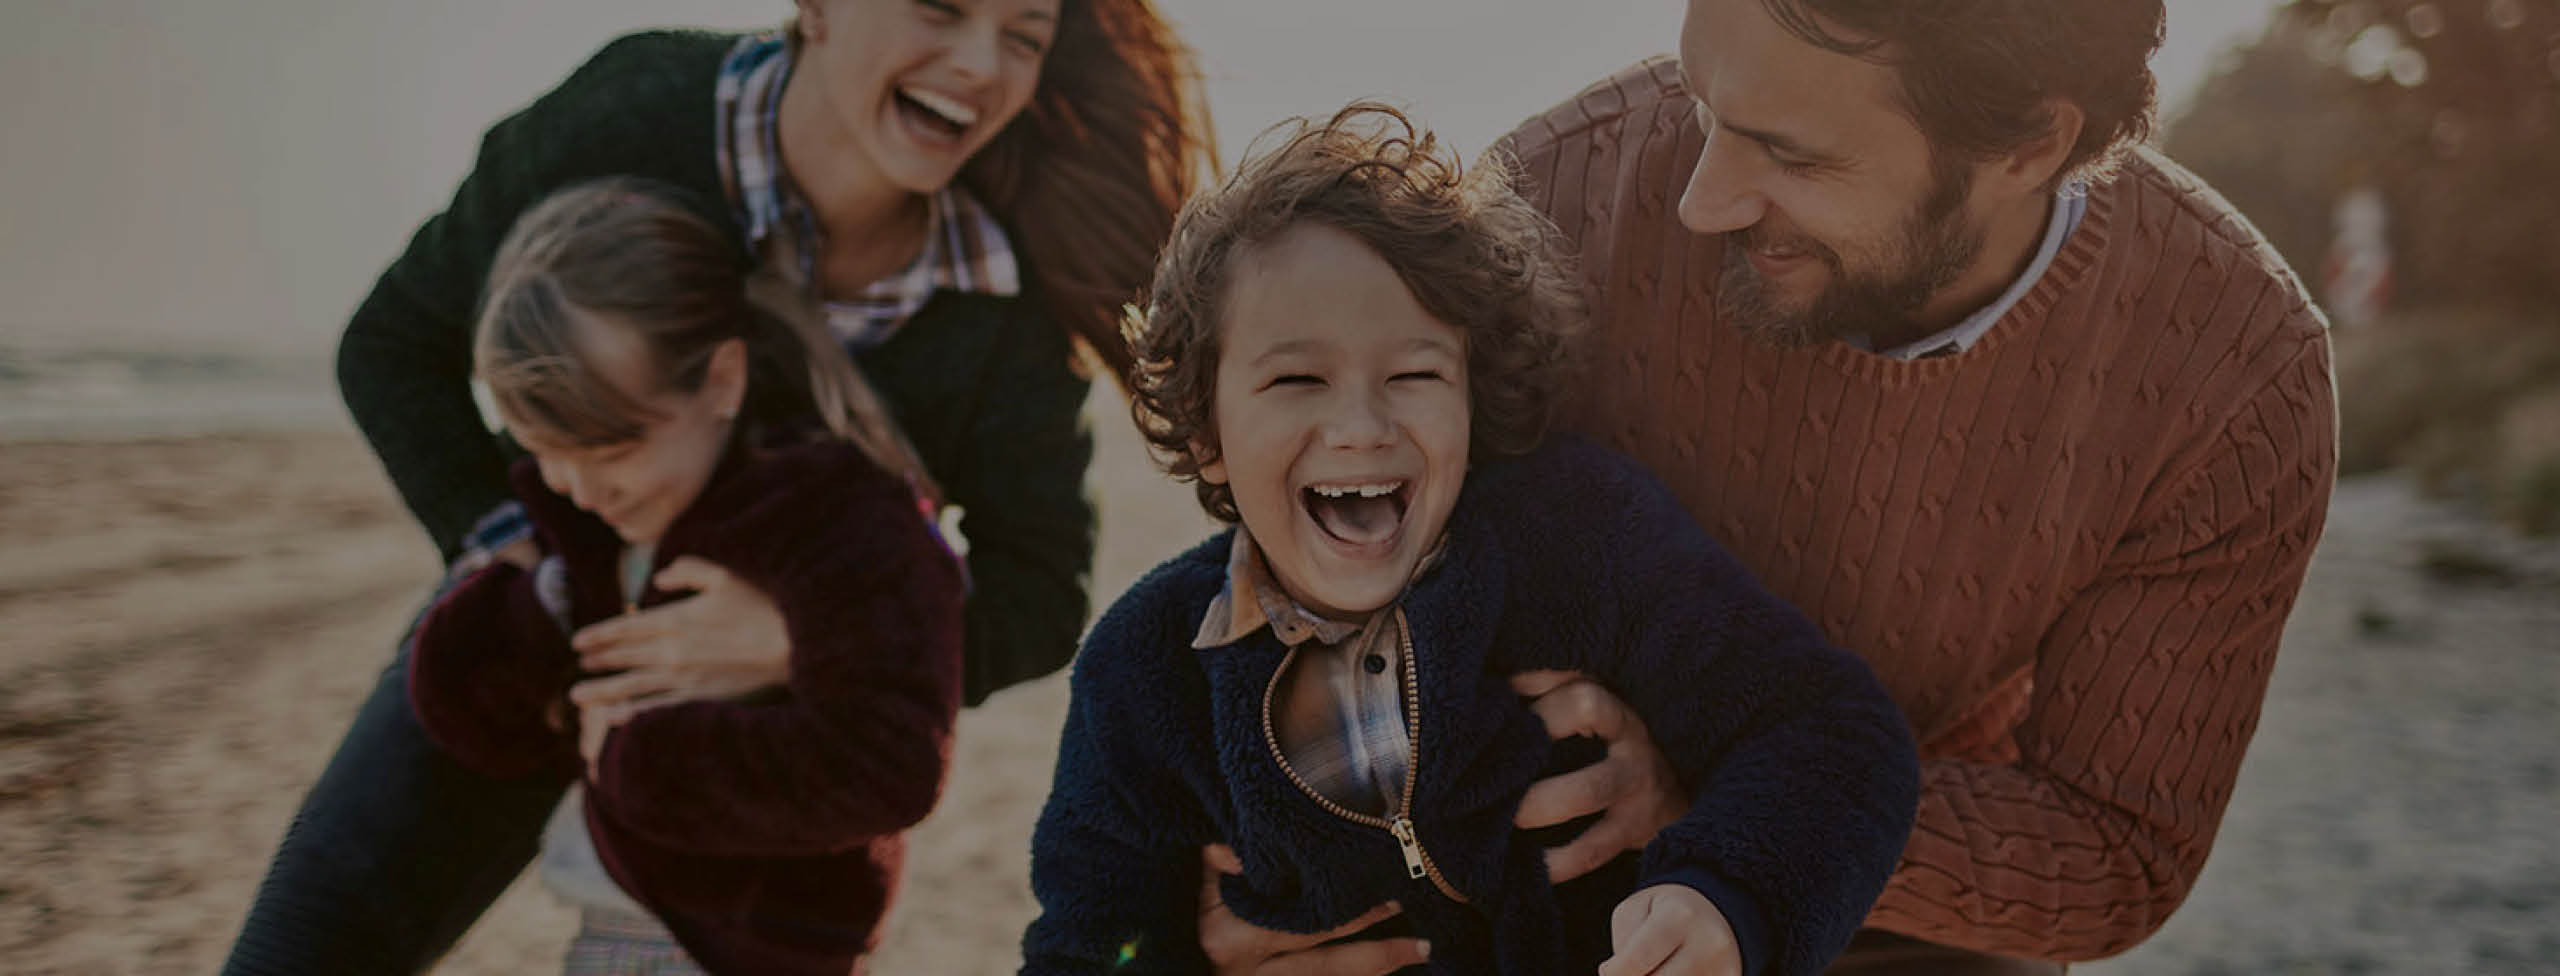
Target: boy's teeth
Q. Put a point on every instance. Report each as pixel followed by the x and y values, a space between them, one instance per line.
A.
pixel 1364 491
pixel 951 109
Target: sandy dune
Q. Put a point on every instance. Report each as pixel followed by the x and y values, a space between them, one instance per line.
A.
pixel 186 626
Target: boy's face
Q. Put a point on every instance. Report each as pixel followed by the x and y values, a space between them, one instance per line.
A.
pixel 1341 418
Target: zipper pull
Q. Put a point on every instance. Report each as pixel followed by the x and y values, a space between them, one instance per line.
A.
pixel 1402 827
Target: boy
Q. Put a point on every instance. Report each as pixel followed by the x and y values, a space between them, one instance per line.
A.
pixel 1354 349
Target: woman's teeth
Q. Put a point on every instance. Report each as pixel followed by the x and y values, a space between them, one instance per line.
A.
pixel 950 109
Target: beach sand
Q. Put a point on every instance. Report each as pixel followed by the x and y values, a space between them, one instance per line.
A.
pixel 187 625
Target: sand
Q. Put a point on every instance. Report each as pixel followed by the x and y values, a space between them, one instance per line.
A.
pixel 186 626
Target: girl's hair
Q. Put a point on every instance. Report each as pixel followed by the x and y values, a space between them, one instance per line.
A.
pixel 632 254
pixel 1088 178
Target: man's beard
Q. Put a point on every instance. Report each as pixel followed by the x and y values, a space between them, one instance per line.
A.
pixel 1931 249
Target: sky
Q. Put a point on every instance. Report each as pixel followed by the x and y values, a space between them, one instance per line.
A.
pixel 232 176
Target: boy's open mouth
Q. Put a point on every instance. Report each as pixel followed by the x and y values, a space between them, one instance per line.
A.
pixel 1357 513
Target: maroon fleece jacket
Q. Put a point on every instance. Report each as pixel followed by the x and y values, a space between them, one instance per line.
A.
pixel 764 833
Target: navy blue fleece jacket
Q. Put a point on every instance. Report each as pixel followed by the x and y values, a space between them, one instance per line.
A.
pixel 1804 774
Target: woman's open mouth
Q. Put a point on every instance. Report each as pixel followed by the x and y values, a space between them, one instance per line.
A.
pixel 1361 515
pixel 936 119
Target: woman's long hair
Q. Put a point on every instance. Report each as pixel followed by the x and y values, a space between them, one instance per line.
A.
pixel 1089 177
pixel 629 253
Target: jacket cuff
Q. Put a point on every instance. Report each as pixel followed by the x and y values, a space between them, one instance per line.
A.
pixel 1741 913
pixel 505 525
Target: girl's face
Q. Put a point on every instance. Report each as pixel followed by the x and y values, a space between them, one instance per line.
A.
pixel 639 486
pixel 1342 418
pixel 919 86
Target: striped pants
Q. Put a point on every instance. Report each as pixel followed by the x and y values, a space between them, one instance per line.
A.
pixel 612 943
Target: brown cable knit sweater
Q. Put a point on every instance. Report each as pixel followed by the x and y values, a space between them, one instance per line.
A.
pixel 2067 551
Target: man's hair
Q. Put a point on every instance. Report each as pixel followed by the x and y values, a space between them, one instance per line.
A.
pixel 1473 252
pixel 1975 73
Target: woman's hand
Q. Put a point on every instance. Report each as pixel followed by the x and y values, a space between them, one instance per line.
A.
pixel 1670 930
pixel 1633 786
pixel 1236 947
pixel 725 641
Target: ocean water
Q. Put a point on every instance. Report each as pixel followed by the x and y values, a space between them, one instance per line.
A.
pixel 72 392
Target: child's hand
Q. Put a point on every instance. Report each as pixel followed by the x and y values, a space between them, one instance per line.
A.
pixel 1670 930
pixel 726 640
pixel 593 723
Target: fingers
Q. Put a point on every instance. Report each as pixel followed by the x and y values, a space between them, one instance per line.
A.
pixel 1610 836
pixel 1582 707
pixel 1376 957
pixel 1235 945
pixel 1221 859
pixel 620 688
pixel 1533 684
pixel 1233 942
pixel 1579 793
pixel 689 573
pixel 1642 939
pixel 624 629
pixel 596 723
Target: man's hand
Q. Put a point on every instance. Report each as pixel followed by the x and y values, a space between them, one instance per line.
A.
pixel 1670 930
pixel 1633 784
pixel 1235 946
pixel 724 641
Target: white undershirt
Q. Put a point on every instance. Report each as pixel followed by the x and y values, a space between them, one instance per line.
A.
pixel 570 867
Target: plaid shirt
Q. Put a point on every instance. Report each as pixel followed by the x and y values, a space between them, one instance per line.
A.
pixel 965 249
pixel 1340 712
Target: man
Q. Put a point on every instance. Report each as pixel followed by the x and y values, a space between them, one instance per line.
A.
pixel 2027 417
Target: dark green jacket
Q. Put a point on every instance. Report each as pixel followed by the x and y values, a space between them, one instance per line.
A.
pixel 985 386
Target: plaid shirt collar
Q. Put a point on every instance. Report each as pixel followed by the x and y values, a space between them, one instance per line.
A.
pixel 1272 606
pixel 964 248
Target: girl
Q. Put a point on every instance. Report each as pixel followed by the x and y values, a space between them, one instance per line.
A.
pixel 969 188
pixel 618 343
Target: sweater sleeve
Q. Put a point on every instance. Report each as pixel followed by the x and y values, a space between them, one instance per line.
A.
pixel 2146 692
pixel 404 362
pixel 858 746
pixel 489 671
pixel 1019 483
pixel 1117 879
pixel 1804 771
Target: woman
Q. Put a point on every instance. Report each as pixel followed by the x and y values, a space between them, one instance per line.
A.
pixel 971 187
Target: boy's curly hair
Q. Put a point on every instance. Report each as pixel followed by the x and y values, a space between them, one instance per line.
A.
pixel 1475 254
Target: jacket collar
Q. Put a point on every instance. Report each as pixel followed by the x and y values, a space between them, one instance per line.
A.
pixel 1253 598
pixel 589 549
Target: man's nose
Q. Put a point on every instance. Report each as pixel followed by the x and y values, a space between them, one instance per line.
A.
pixel 1720 196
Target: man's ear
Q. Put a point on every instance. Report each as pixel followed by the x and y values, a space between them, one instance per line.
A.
pixel 2038 164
